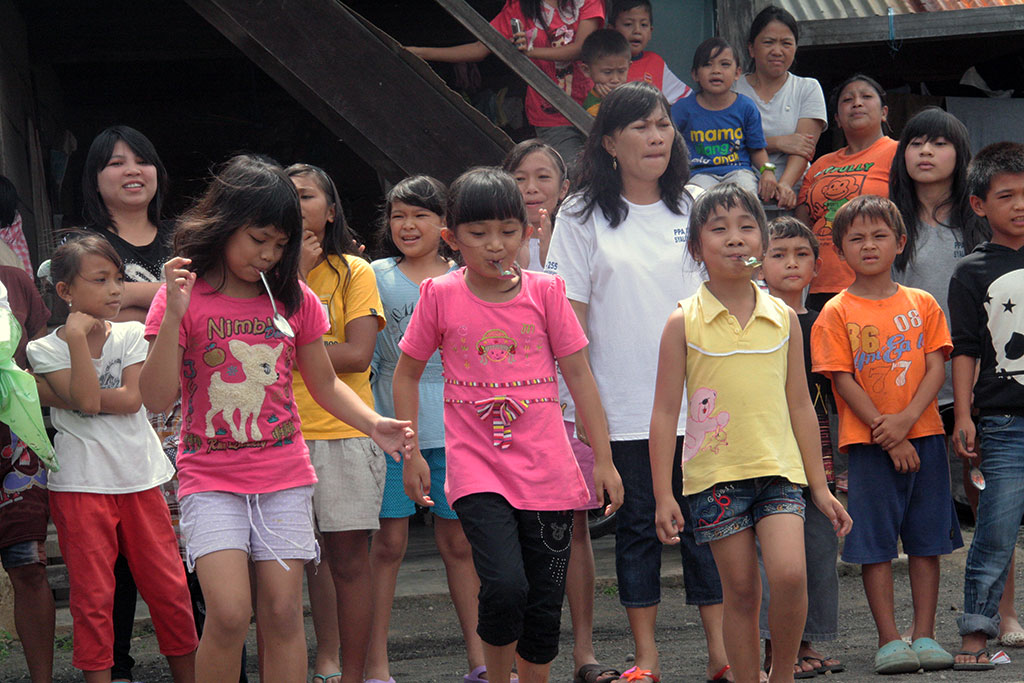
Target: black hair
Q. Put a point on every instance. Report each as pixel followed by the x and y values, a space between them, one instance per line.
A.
pixel 423 191
pixel 1001 157
pixel 766 16
pixel 339 240
pixel 620 6
pixel 484 193
pixel 833 98
pixel 604 42
pixel 929 124
pixel 787 227
pixel 8 202
pixel 709 49
pixel 599 182
pixel 247 191
pixel 66 262
pixel 94 210
pixel 518 154
pixel 723 196
pixel 534 9
pixel 868 207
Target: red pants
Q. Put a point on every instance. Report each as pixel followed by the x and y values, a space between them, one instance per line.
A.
pixel 92 528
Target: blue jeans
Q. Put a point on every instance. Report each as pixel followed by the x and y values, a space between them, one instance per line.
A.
pixel 1000 508
pixel 637 548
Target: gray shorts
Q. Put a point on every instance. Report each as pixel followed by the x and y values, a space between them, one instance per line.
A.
pixel 744 177
pixel 350 486
pixel 268 526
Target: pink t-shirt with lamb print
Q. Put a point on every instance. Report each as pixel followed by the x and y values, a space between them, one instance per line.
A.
pixel 240 430
pixel 503 424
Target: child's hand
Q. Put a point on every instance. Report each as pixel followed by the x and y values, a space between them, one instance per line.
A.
pixel 833 509
pixel 607 481
pixel 311 251
pixel 904 457
pixel 888 430
pixel 965 436
pixel 520 41
pixel 785 197
pixel 179 281
pixel 767 185
pixel 543 233
pixel 668 519
pixel 416 478
pixel 395 437
pixel 602 89
pixel 80 324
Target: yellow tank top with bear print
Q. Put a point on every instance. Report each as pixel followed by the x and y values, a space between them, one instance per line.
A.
pixel 737 424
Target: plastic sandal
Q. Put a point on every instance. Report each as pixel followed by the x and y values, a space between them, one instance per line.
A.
pixel 896 657
pixel 637 674
pixel 596 673
pixel 324 679
pixel 975 665
pixel 931 655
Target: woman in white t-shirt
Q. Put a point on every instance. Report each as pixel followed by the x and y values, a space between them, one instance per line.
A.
pixel 620 245
pixel 792 107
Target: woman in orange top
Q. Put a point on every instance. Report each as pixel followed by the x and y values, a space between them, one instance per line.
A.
pixel 862 167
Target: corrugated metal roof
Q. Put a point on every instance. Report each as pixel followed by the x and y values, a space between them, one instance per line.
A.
pixel 808 10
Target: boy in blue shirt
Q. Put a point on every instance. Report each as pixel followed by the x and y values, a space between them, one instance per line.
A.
pixel 722 128
pixel 986 303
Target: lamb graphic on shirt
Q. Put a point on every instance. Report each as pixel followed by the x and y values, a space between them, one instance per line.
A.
pixel 259 363
pixel 701 423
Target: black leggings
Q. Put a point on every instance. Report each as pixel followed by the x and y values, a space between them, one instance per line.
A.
pixel 521 557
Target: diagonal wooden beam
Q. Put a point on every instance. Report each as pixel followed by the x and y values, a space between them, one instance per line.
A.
pixel 507 52
pixel 383 102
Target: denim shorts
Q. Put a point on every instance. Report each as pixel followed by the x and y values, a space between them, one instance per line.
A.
pixel 397 505
pixel 23 554
pixel 730 507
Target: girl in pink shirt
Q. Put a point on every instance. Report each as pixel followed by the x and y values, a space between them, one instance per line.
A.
pixel 246 482
pixel 512 477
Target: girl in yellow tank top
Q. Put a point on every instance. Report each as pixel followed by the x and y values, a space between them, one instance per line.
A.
pixel 751 437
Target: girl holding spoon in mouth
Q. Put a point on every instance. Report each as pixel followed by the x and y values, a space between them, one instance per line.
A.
pixel 246 481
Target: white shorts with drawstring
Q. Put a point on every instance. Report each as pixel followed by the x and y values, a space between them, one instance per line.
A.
pixel 266 526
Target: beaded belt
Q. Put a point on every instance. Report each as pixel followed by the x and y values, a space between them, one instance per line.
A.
pixel 502 410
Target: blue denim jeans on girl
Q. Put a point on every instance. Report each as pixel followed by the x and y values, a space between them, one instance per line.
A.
pixel 1000 508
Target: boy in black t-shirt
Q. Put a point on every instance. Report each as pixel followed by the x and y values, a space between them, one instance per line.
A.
pixel 986 305
pixel 791 262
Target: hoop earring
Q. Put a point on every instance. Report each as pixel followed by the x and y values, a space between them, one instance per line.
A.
pixel 615 164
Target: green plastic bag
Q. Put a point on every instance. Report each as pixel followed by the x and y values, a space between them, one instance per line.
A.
pixel 19 399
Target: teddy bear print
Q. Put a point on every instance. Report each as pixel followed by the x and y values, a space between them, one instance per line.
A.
pixel 702 423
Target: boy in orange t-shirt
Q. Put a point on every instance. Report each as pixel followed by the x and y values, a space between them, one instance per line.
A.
pixel 884 347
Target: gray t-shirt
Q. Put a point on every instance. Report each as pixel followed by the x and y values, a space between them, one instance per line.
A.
pixel 798 98
pixel 936 253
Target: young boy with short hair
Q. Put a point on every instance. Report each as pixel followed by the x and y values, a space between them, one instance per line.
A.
pixel 884 346
pixel 791 262
pixel 604 59
pixel 986 302
pixel 634 19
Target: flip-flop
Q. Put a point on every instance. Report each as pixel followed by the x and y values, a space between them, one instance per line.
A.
pixel 637 675
pixel 896 657
pixel 595 673
pixel 373 680
pixel 975 665
pixel 1012 639
pixel 326 678
pixel 822 667
pixel 720 676
pixel 802 674
pixel 933 657
pixel 474 676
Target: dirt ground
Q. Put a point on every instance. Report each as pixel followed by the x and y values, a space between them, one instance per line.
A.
pixel 426 647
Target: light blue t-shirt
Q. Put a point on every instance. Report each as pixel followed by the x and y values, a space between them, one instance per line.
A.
pixel 719 141
pixel 399 295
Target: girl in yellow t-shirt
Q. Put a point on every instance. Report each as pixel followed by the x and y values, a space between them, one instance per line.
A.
pixel 350 468
pixel 751 435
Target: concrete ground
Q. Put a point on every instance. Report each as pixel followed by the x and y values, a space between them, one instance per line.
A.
pixel 426 646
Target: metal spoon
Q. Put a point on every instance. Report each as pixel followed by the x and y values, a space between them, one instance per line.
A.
pixel 279 322
pixel 506 273
pixel 752 262
pixel 977 478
